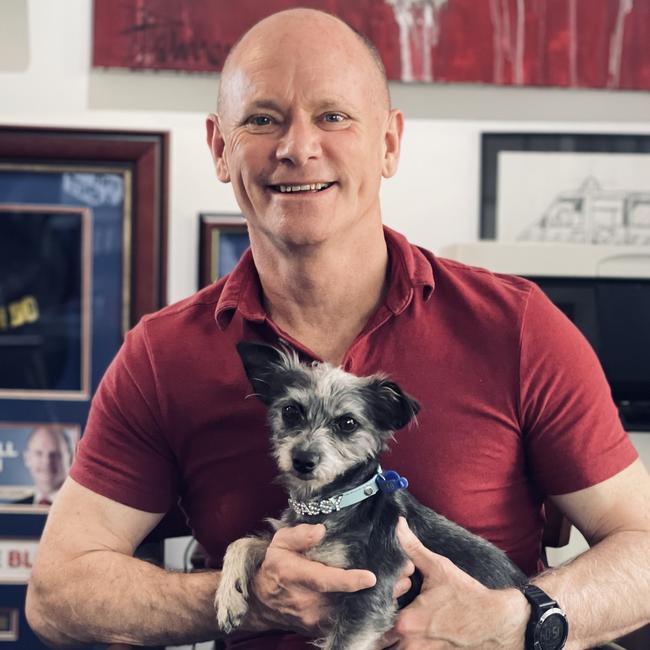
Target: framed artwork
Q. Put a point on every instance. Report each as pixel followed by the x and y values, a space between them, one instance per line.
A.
pixel 566 187
pixel 465 41
pixel 223 238
pixel 35 459
pixel 83 222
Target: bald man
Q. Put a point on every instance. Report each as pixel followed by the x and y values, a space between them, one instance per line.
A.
pixel 304 133
pixel 47 456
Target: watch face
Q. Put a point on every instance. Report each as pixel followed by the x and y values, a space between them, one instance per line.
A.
pixel 551 633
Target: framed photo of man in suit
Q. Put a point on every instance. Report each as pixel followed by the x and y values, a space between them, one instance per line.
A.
pixel 35 459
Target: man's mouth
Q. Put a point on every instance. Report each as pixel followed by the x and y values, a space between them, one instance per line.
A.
pixel 306 187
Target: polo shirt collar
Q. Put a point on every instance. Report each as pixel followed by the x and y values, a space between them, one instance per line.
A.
pixel 410 271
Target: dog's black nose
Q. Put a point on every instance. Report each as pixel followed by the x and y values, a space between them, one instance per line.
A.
pixel 304 462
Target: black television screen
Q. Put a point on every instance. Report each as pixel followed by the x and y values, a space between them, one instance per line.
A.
pixel 614 316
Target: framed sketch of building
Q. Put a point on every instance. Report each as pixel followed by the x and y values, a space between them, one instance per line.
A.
pixel 570 188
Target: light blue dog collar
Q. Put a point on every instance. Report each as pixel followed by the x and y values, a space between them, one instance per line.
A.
pixel 389 481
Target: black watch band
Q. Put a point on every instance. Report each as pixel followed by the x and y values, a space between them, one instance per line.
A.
pixel 548 626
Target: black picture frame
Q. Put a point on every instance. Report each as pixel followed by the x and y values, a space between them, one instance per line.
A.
pixel 223 237
pixel 494 144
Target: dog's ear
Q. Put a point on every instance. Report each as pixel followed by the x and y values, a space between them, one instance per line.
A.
pixel 263 365
pixel 391 407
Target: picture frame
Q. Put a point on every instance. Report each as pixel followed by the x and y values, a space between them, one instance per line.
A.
pixel 9 617
pixel 120 179
pixel 144 155
pixel 223 238
pixel 46 256
pixel 565 187
pixel 35 459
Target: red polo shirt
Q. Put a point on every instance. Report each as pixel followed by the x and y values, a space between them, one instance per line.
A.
pixel 515 405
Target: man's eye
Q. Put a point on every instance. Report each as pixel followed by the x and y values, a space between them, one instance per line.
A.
pixel 291 415
pixel 347 424
pixel 333 118
pixel 260 120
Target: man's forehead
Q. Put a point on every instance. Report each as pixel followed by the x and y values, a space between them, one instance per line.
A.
pixel 273 85
pixel 41 436
pixel 308 43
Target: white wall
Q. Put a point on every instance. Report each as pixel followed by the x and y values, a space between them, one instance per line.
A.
pixel 433 199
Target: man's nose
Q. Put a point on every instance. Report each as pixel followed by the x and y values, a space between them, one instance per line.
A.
pixel 300 141
pixel 304 460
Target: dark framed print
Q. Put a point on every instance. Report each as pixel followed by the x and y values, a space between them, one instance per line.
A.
pixel 46 271
pixel 566 187
pixel 53 182
pixel 223 238
pixel 35 459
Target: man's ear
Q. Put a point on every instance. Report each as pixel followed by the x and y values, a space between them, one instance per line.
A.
pixel 392 142
pixel 217 146
pixel 263 365
pixel 390 407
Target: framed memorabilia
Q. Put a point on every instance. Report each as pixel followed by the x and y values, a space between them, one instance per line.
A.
pixel 566 187
pixel 45 263
pixel 35 459
pixel 83 219
pixel 222 240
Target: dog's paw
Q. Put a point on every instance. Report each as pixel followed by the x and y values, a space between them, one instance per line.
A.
pixel 231 604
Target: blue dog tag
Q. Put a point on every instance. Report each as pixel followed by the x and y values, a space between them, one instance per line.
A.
pixel 390 481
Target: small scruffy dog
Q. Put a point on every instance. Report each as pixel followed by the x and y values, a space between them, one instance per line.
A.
pixel 328 429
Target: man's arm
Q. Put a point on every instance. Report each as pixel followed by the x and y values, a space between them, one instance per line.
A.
pixel 605 591
pixel 87 588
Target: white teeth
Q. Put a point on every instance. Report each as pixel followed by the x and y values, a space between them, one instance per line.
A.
pixel 313 187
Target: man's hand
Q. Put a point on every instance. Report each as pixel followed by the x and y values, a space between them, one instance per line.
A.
pixel 453 610
pixel 291 591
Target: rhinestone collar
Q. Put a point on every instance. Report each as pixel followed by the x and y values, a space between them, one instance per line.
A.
pixel 389 481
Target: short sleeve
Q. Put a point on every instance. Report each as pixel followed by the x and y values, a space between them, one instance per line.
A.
pixel 572 432
pixel 124 454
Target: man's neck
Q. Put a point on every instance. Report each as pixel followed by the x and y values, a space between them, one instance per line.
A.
pixel 324 295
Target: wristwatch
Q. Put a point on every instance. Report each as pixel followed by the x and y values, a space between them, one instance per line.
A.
pixel 548 626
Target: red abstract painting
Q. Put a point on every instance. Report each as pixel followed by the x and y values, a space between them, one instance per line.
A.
pixel 571 43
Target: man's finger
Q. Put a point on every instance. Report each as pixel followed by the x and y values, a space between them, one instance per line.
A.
pixel 408 569
pixel 325 579
pixel 299 538
pixel 402 587
pixel 422 557
pixel 389 640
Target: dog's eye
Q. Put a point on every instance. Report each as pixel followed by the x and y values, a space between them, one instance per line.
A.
pixel 347 424
pixel 291 415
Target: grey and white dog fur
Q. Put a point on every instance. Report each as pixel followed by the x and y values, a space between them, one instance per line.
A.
pixel 328 428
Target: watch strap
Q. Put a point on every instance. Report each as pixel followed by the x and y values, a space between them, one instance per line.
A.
pixel 542 606
pixel 538 598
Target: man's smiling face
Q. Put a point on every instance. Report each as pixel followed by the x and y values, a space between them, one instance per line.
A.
pixel 303 123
